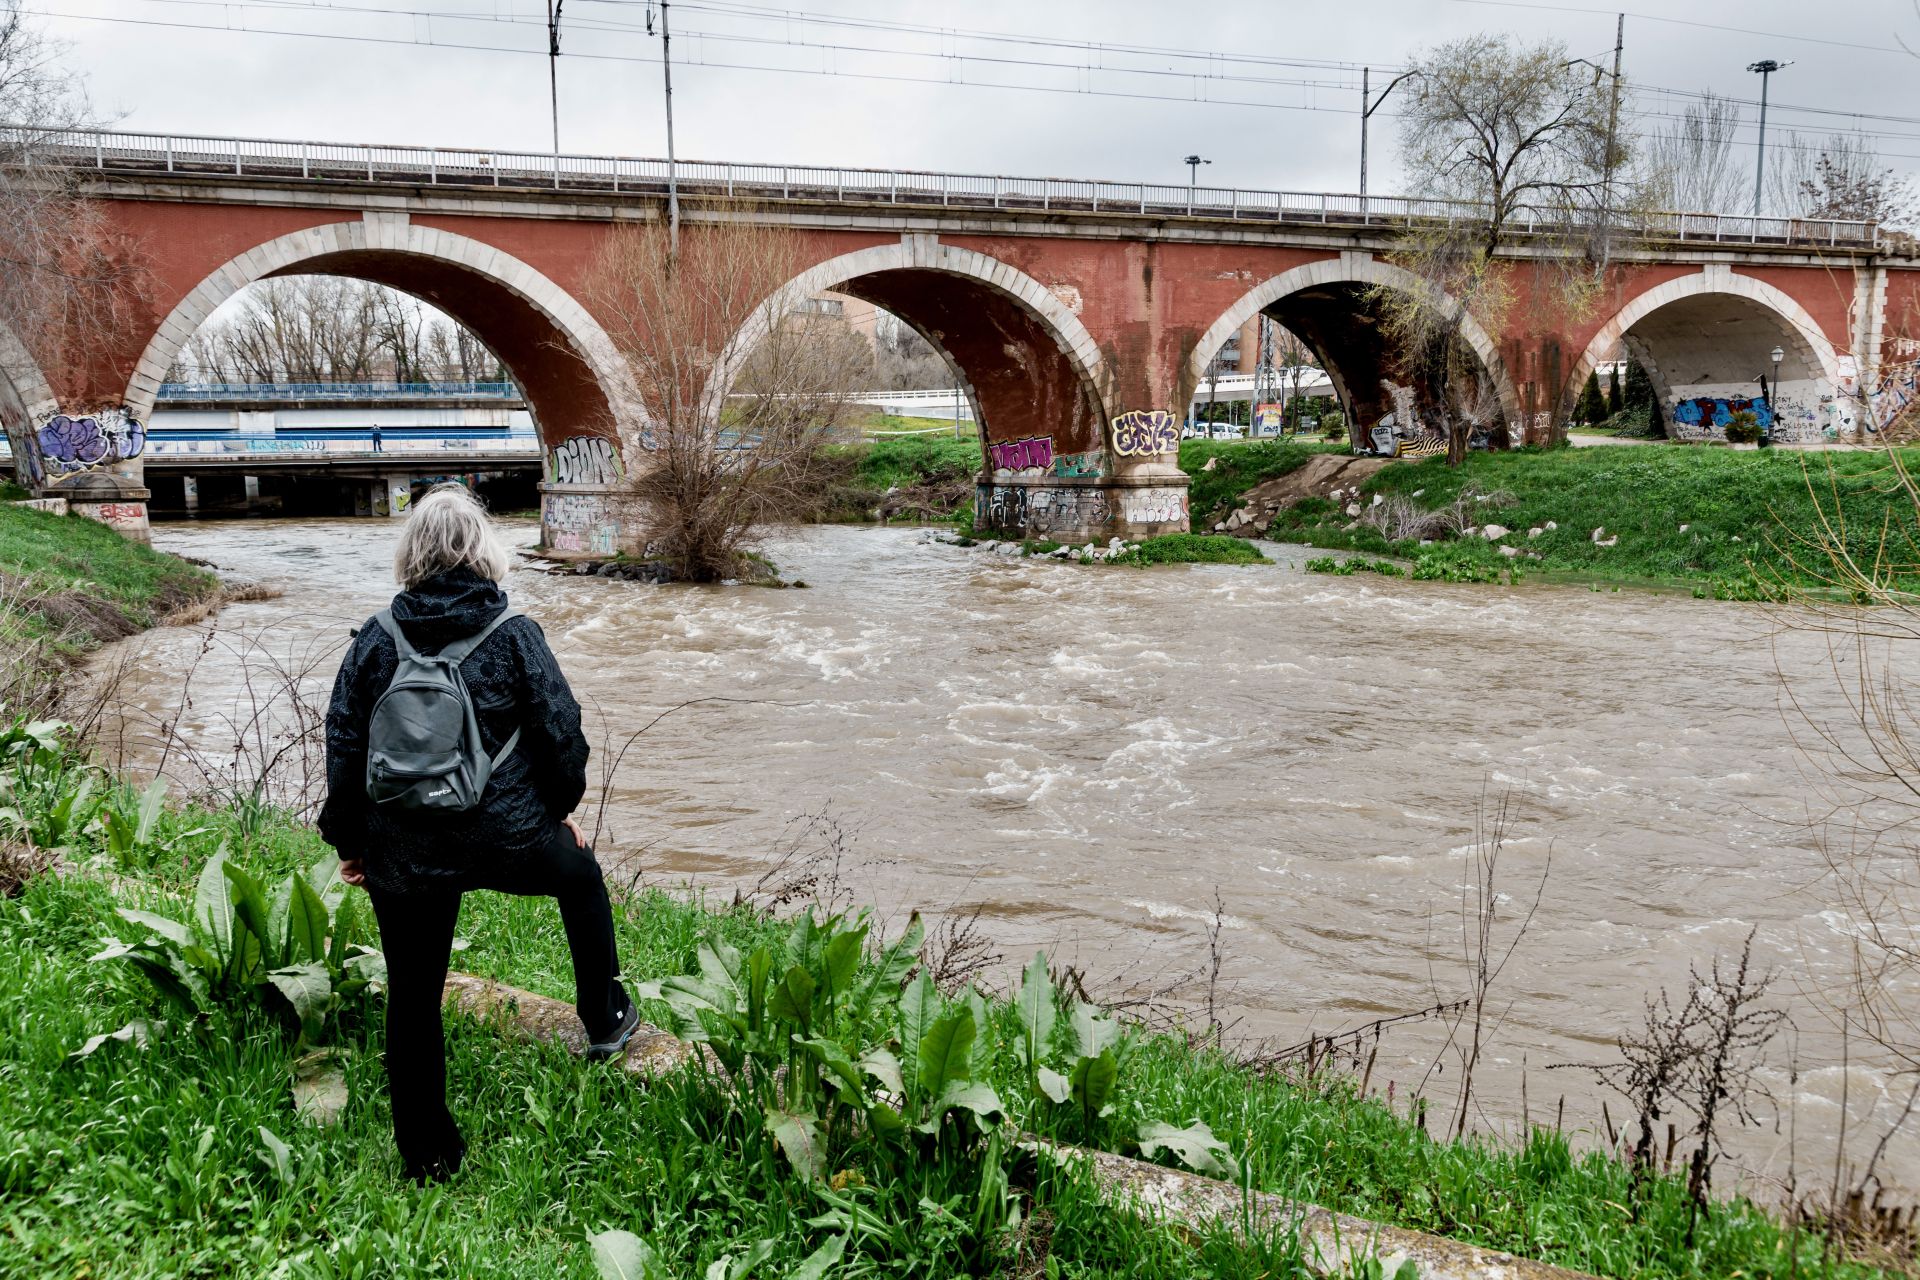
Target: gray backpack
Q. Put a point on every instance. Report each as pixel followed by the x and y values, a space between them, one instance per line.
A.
pixel 424 752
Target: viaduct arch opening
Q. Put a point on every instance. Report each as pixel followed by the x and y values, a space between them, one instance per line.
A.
pixel 1707 340
pixel 1036 380
pixel 576 387
pixel 573 379
pixel 1330 306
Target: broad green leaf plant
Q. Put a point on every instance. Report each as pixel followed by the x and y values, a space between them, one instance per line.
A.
pixel 295 947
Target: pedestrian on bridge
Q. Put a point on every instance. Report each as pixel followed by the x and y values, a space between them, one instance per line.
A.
pixel 376 439
pixel 417 827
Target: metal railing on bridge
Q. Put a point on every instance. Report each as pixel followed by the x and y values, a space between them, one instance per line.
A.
pixel 201 155
pixel 190 391
pixel 357 445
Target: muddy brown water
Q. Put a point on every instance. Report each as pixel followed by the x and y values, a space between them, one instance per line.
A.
pixel 1090 755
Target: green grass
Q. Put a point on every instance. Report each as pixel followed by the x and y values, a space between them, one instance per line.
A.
pixel 1747 516
pixel 938 468
pixel 1190 548
pixel 1240 465
pixel 139 1163
pixel 52 554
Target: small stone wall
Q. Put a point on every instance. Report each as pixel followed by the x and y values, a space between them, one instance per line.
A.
pixel 1078 511
pixel 584 521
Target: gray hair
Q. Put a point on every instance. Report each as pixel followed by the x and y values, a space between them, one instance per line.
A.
pixel 448 530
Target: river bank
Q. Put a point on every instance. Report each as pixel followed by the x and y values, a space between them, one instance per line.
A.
pixel 70 584
pixel 177 1148
pixel 1718 523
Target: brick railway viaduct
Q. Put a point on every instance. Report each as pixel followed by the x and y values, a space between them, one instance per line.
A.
pixel 1070 311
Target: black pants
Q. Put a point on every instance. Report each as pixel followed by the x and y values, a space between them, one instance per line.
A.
pixel 416 933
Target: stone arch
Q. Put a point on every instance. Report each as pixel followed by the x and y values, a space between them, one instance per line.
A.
pixel 1811 362
pixel 25 394
pixel 1052 325
pixel 562 358
pixel 1351 267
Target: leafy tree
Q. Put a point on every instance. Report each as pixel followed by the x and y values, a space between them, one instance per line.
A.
pixel 1615 402
pixel 1592 406
pixel 1521 138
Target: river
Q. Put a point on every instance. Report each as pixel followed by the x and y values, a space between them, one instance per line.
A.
pixel 1090 754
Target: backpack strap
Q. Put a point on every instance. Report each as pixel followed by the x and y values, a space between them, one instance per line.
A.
pixel 392 628
pixel 458 651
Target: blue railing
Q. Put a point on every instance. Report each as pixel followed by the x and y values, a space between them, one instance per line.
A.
pixel 179 391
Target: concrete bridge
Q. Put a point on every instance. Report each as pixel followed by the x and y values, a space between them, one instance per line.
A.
pixel 1078 317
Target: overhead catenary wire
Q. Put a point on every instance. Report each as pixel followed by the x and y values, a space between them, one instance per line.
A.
pixel 1196 94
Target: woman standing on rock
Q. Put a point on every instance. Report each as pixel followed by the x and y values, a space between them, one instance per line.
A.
pixel 454 757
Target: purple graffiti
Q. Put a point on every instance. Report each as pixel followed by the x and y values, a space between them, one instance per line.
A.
pixel 1022 455
pixel 69 444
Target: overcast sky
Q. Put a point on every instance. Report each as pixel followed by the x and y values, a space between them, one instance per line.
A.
pixel 1129 108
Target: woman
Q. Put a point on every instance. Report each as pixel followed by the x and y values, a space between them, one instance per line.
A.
pixel 517 839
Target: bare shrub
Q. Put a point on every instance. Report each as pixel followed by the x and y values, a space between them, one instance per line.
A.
pixel 959 951
pixel 1702 1057
pixel 810 865
pixel 264 749
pixel 719 316
pixel 1399 519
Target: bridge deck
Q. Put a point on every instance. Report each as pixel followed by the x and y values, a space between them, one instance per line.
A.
pixel 183 155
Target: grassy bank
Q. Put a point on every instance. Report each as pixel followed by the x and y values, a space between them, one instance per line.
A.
pixel 1717 522
pixel 185 1158
pixel 1238 466
pixel 74 582
pixel 913 478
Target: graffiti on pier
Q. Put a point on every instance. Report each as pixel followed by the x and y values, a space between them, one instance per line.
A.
pixel 1032 456
pixel 70 444
pixel 1897 392
pixel 1145 433
pixel 1040 512
pixel 1154 506
pixel 579 522
pixel 584 460
pixel 1080 466
pixel 1706 417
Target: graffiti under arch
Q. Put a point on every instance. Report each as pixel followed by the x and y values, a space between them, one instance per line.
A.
pixel 68 444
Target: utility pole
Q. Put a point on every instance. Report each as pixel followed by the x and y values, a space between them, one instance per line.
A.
pixel 1367 107
pixel 673 177
pixel 1766 67
pixel 553 78
pixel 1613 126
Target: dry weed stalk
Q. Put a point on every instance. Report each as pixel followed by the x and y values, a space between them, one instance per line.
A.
pixel 1487 945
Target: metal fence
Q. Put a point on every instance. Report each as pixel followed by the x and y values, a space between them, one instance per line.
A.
pixel 189 391
pixel 329 162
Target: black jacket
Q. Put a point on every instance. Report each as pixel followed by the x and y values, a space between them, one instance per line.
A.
pixel 515 683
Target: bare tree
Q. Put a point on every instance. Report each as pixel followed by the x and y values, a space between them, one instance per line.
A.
pixel 1691 165
pixel 1847 179
pixel 332 329
pixel 70 289
pixel 1515 133
pixel 903 358
pixel 712 468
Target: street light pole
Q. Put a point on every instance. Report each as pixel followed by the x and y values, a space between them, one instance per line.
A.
pixel 1367 108
pixel 1766 67
pixel 1193 163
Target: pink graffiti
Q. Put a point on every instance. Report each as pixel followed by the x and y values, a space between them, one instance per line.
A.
pixel 1022 455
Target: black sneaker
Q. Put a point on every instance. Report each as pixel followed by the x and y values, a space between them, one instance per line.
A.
pixel 616 1041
